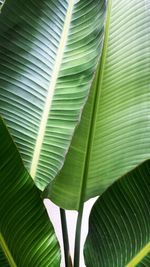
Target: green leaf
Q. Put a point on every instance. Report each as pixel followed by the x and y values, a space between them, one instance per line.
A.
pixel 119 228
pixel 3 261
pixel 114 133
pixel 26 235
pixel 145 262
pixel 48 53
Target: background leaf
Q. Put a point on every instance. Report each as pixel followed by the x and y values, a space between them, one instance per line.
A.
pixel 26 234
pixel 48 53
pixel 114 133
pixel 119 228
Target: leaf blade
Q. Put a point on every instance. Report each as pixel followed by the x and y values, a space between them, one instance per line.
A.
pixel 119 232
pixel 24 224
pixel 51 89
pixel 30 62
pixel 122 113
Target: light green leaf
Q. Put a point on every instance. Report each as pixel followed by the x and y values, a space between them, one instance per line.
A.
pixel 48 52
pixel 119 227
pixel 114 133
pixel 26 235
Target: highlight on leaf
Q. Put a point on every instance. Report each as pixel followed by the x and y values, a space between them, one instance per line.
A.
pixel 49 52
pixel 113 136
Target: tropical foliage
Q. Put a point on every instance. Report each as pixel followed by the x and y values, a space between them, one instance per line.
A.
pixel 75 109
pixel 119 232
pixel 27 237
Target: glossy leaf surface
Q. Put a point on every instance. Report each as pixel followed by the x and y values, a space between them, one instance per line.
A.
pixel 114 133
pixel 26 235
pixel 119 227
pixel 48 53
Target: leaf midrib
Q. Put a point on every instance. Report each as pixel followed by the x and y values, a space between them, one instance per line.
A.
pixel 137 259
pixel 7 252
pixel 51 89
pixel 98 80
pixel 1 5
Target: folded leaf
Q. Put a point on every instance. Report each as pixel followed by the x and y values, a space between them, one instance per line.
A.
pixel 119 228
pixel 114 133
pixel 48 53
pixel 26 235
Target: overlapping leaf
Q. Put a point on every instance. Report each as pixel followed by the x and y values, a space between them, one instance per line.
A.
pixel 114 133
pixel 48 54
pixel 26 234
pixel 119 230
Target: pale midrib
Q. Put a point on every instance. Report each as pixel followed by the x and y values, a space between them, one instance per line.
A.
pixel 137 259
pixel 51 89
pixel 97 93
pixel 7 252
pixel 99 80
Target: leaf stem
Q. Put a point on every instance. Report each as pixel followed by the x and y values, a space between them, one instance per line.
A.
pixel 78 237
pixel 68 262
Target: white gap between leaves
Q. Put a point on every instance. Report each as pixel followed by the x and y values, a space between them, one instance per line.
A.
pixel 54 215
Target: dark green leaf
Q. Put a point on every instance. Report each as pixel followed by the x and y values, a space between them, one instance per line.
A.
pixel 119 229
pixel 3 260
pixel 26 234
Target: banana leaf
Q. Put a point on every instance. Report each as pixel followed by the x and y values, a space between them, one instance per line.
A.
pixel 3 260
pixel 119 227
pixel 113 136
pixel 27 237
pixel 145 262
pixel 49 51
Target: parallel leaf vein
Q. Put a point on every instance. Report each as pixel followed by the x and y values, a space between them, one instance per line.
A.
pixel 42 128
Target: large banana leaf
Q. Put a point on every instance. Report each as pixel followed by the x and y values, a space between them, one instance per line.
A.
pixel 119 230
pixel 26 234
pixel 49 50
pixel 114 133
